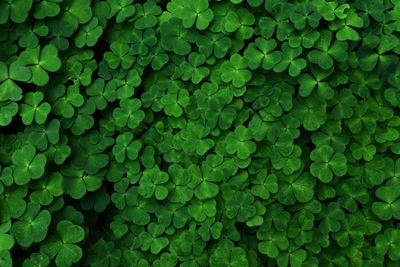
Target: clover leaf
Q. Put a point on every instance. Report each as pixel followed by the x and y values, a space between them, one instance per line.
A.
pixel 325 52
pixel 326 163
pixel 65 105
pixel 40 60
pixel 298 187
pixel 47 189
pixel 264 184
pixel 28 164
pixel 89 34
pixel 192 69
pixel 174 101
pixel 76 183
pixel 152 240
pixel 63 247
pixel 196 12
pixel 33 109
pixel 128 114
pixel 223 256
pixel 240 206
pixel 122 8
pixel 289 59
pixel 8 110
pixel 239 142
pixel 119 55
pixel 141 40
pixel 17 11
pixel 194 138
pixel 175 37
pixel 390 207
pixel 344 27
pixel 125 146
pixel 388 242
pixel 146 15
pixel 9 90
pixel 235 71
pixel 261 53
pixel 152 183
pixel 32 226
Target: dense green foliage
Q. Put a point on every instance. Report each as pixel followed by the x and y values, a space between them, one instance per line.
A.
pixel 199 133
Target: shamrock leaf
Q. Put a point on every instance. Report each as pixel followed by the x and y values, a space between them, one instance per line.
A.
pixel 311 113
pixel 194 138
pixel 46 189
pixel 64 106
pixel 152 183
pixel 89 34
pixel 6 242
pixel 344 27
pixel 324 51
pixel 350 192
pixel 264 184
pixel 305 13
pixel 128 114
pixel 174 101
pixel 181 183
pixel 326 163
pixel 333 215
pixel 240 22
pixel 289 59
pixel 306 38
pixel 119 55
pixel 40 60
pixel 192 69
pixel 235 71
pixel 125 146
pixel 46 8
pixel 239 142
pixel 145 16
pixel 32 226
pixel 261 53
pixel 156 58
pixel 278 23
pixel 63 247
pixel 294 257
pixel 174 37
pixel 271 242
pixel 101 94
pixel 240 206
pixel 123 8
pixel 388 242
pixel 213 42
pixel 201 209
pixel 8 110
pixel 390 207
pixel 76 183
pixel 228 257
pixel 152 238
pixel 196 12
pixel 77 12
pixel 9 90
pixel 353 229
pixel 206 178
pixel 17 10
pixel 298 187
pixel 27 165
pixel 125 87
pixel 33 109
pixel 369 58
pixel 318 79
pixel 141 40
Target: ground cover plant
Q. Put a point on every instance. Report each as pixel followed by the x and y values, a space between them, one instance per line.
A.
pixel 199 133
